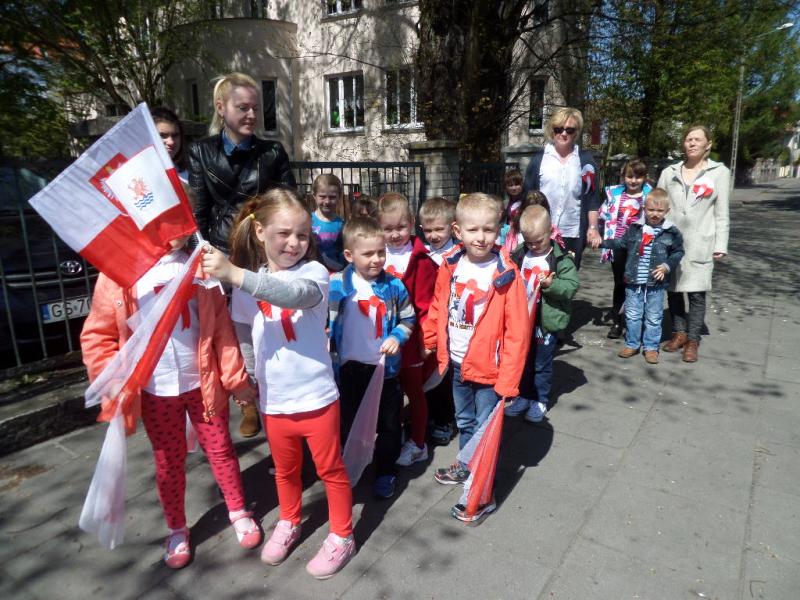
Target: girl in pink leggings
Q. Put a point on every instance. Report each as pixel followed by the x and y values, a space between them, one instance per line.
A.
pixel 200 367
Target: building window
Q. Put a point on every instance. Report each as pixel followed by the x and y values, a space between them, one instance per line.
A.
pixel 215 9
pixel 541 12
pixel 401 98
pixel 269 103
pixel 258 9
pixel 194 98
pixel 346 102
pixel 536 118
pixel 342 7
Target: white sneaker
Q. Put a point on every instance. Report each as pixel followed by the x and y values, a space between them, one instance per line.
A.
pixel 518 406
pixel 411 453
pixel 536 412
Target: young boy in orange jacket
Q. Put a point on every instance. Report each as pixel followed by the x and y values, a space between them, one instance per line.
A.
pixel 478 321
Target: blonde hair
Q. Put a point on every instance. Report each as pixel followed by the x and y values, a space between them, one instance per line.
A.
pixel 326 180
pixel 559 117
pixel 364 206
pixel 247 251
pixel 438 207
pixel 393 201
pixel 534 218
pixel 659 196
pixel 360 228
pixel 222 92
pixel 475 203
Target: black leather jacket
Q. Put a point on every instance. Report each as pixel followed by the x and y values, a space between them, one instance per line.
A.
pixel 223 183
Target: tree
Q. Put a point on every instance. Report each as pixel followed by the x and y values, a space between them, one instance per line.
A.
pixel 475 61
pixel 662 64
pixel 117 52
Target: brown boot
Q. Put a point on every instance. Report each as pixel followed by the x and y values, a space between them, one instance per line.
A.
pixel 651 357
pixel 679 338
pixel 251 422
pixel 690 351
pixel 627 352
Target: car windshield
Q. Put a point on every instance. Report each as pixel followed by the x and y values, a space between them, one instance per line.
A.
pixel 17 186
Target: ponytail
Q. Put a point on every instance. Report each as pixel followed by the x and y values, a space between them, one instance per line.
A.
pixel 247 251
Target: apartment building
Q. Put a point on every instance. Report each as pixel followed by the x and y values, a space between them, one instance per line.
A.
pixel 336 76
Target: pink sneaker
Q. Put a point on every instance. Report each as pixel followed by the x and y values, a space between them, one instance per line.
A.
pixel 248 533
pixel 335 553
pixel 283 537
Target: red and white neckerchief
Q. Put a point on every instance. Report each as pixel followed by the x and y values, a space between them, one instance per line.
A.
pixel 468 294
pixel 648 235
pixel 392 270
pixel 587 179
pixel 286 319
pixel 374 309
pixel 702 187
pixel 628 212
pixel 186 316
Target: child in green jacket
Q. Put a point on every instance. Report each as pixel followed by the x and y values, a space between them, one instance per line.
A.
pixel 551 281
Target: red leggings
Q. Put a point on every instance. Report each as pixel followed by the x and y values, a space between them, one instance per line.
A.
pixel 412 381
pixel 165 423
pixel 320 429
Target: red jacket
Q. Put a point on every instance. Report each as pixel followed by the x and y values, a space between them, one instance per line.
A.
pixel 222 370
pixel 496 353
pixel 420 281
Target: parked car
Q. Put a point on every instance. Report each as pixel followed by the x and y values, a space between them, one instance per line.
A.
pixel 46 286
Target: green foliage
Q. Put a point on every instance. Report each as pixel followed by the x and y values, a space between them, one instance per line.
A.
pixel 658 65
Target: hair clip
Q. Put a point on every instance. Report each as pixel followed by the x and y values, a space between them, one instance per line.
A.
pixel 252 216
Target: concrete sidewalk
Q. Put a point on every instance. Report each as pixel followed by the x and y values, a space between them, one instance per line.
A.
pixel 674 481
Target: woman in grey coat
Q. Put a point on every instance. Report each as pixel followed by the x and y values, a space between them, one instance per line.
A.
pixel 699 190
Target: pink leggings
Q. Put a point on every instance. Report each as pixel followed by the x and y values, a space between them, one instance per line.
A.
pixel 320 429
pixel 165 423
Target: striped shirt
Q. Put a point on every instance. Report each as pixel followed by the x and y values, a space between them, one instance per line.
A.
pixel 643 268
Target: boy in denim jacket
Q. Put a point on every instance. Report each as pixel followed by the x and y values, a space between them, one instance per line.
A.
pixel 655 248
pixel 370 314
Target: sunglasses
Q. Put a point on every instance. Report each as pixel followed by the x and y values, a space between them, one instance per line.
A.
pixel 560 130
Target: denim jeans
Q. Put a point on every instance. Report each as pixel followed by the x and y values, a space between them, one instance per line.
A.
pixel 537 376
pixel 474 403
pixel 643 306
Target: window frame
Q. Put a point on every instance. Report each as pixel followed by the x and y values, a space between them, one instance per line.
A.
pixel 340 77
pixel 274 82
pixel 339 12
pixel 413 123
pixel 543 80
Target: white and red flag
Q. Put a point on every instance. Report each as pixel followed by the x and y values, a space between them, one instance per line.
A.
pixel 121 202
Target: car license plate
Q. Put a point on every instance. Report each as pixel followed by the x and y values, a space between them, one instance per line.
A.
pixel 71 308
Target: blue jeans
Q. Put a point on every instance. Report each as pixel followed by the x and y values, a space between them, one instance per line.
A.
pixel 474 403
pixel 537 377
pixel 644 306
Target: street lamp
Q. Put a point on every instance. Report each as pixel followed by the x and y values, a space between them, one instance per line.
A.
pixel 738 111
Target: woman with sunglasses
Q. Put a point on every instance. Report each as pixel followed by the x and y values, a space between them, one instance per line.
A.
pixel 566 175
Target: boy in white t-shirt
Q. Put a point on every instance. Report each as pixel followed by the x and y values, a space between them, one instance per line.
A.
pixel 370 314
pixel 478 322
pixel 551 281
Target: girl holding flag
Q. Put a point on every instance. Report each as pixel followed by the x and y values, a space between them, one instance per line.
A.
pixel 198 369
pixel 280 305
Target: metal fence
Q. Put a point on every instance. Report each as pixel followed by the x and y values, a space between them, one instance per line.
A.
pixel 487 177
pixel 369 178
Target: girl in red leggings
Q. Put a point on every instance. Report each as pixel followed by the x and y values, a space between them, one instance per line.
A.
pixel 280 308
pixel 200 367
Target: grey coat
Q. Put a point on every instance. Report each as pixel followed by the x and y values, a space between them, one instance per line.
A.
pixel 702 219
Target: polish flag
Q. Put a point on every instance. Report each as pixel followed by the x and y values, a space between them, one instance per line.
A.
pixel 121 202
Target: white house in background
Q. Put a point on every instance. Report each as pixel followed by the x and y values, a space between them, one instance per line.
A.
pixel 336 76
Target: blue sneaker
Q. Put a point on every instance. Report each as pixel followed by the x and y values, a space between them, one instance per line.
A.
pixel 383 487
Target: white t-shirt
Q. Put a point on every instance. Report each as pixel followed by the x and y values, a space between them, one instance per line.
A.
pixel 438 254
pixel 177 371
pixel 397 260
pixel 359 342
pixel 561 184
pixel 293 376
pixel 468 292
pixel 532 265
